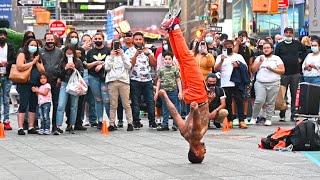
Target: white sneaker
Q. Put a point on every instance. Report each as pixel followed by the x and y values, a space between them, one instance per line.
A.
pixel 268 123
pixel 253 121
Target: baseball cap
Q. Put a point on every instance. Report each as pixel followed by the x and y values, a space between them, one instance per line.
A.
pixel 223 36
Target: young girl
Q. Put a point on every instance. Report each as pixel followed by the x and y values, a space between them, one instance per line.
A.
pixel 44 101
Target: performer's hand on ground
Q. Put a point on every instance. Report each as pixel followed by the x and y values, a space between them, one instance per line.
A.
pixel 180 95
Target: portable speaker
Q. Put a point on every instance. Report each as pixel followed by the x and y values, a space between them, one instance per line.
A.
pixel 309 98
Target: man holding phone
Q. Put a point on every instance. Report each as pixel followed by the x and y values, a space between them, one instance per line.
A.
pixel 141 80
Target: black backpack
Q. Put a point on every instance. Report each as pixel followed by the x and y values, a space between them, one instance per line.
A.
pixel 305 137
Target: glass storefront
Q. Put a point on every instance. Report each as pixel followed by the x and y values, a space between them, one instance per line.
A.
pixel 266 24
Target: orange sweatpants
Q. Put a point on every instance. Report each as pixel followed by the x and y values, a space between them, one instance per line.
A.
pixel 192 80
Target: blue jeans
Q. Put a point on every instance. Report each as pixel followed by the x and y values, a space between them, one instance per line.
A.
pixel 313 80
pixel 136 90
pixel 4 96
pixel 44 110
pixel 92 106
pixel 63 99
pixel 100 92
pixel 173 96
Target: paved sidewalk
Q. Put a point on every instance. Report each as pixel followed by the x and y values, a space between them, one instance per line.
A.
pixel 148 154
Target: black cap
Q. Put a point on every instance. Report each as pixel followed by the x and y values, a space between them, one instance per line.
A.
pixel 2 31
pixel 223 36
pixel 288 29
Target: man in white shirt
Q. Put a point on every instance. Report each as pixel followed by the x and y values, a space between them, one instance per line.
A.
pixel 7 58
pixel 225 63
pixel 140 80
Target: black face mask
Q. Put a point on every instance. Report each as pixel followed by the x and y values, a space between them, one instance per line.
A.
pixel 209 85
pixel 138 46
pixel 2 40
pixel 50 44
pixel 98 43
pixel 229 51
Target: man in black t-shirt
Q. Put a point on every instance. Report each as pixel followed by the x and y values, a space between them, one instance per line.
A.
pixel 217 100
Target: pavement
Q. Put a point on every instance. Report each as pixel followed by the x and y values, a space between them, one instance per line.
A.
pixel 148 154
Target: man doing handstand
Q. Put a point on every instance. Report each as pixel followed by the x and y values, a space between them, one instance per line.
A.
pixel 194 91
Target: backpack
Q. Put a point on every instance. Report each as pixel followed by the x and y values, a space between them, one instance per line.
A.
pixel 305 137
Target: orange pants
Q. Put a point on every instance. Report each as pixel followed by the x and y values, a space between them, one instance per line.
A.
pixel 192 80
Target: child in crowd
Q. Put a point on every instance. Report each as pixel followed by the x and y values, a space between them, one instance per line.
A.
pixel 169 80
pixel 44 101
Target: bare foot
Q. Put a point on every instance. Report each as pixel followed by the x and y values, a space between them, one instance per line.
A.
pixel 162 93
pixel 194 106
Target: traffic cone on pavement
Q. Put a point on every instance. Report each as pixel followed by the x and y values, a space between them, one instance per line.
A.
pixel 225 126
pixel 104 129
pixel 2 133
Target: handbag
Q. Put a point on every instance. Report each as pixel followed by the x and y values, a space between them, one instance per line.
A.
pixel 280 103
pixel 19 76
pixel 76 85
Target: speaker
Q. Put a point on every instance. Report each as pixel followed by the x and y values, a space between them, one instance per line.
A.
pixel 309 98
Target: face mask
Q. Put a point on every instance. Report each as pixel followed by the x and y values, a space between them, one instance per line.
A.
pixel 69 56
pixel 229 51
pixel 2 40
pixel 165 47
pixel 209 40
pixel 315 49
pixel 50 44
pixel 32 49
pixel 244 41
pixel 248 44
pixel 74 41
pixel 209 85
pixel 288 39
pixel 98 43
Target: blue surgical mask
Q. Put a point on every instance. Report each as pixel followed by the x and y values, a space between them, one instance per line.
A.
pixel 74 41
pixel 314 49
pixel 32 49
pixel 209 40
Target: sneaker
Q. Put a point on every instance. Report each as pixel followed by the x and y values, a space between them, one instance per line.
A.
pixel 130 127
pixel 120 124
pixel 21 132
pixel 71 130
pixel 268 123
pixel 247 122
pixel 40 132
pixel 253 121
pixel 163 128
pixel 218 125
pixel 261 119
pixel 7 126
pixel 95 124
pixel 32 131
pixel 56 132
pixel 282 119
pixel 236 122
pixel 242 125
pixel 158 121
pixel 111 128
pixel 99 126
pixel 80 128
pixel 46 132
pixel 171 18
pixel 59 130
pixel 174 127
pixel 153 125
pixel 137 125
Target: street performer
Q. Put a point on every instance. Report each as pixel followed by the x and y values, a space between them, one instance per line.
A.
pixel 194 91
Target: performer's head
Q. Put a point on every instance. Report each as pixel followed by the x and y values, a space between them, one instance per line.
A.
pixel 196 153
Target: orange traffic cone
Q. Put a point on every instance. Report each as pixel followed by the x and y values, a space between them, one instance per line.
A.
pixel 2 133
pixel 105 130
pixel 225 126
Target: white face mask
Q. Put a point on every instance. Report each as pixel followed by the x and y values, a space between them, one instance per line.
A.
pixel 165 47
pixel 69 56
pixel 248 44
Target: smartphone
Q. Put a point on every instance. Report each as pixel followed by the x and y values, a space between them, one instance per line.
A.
pixel 138 47
pixel 225 52
pixel 212 90
pixel 202 43
pixel 116 45
pixel 128 34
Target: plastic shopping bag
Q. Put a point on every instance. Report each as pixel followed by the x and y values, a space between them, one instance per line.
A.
pixel 76 85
